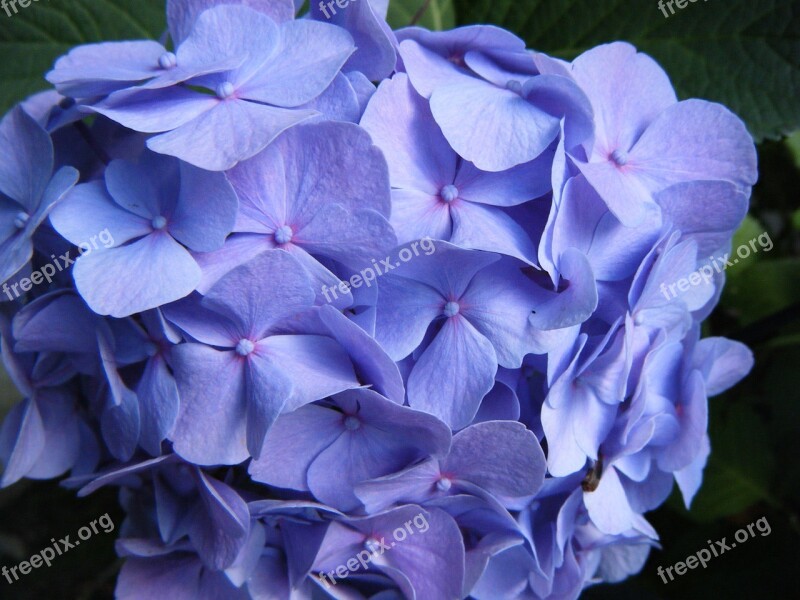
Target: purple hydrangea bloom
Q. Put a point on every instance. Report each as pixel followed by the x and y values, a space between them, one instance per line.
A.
pixel 40 438
pixel 359 434
pixel 478 309
pixel 486 93
pixel 428 564
pixel 282 67
pixel 150 211
pixel 375 54
pixel 436 193
pixel 242 371
pixel 514 469
pixel 291 404
pixel 28 188
pixel 321 193
pixel 651 141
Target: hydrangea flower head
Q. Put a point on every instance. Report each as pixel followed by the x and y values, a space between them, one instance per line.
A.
pixel 293 399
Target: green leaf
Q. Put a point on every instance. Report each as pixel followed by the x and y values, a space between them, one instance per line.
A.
pixel 438 15
pixel 35 36
pixel 749 230
pixel 793 141
pixel 8 393
pixel 741 53
pixel 760 292
pixel 740 468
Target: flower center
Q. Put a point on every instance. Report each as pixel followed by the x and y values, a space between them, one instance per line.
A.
pixel 283 235
pixel 159 222
pixel 620 157
pixel 225 90
pixel 245 347
pixel 444 484
pixel 21 220
pixel 371 546
pixel 513 85
pixel 450 309
pixel 457 59
pixel 167 60
pixel 351 423
pixel 448 193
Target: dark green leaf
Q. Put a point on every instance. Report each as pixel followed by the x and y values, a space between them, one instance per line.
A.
pixel 740 468
pixel 8 393
pixel 742 53
pixel 34 37
pixel 438 15
pixel 758 292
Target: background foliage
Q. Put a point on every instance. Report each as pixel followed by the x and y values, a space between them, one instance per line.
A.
pixel 742 53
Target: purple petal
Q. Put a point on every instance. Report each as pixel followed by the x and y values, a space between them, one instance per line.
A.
pixel 498 303
pixel 147 189
pixel 608 506
pixel 418 215
pixel 370 446
pixel 248 128
pixel 416 484
pixel 453 374
pixel 405 310
pixel 88 209
pixel 675 147
pixel 122 281
pixel 240 295
pixel 25 172
pixel 182 14
pixel 60 322
pixel 515 467
pixel 375 55
pixel 489 228
pixel 722 362
pixel 431 57
pixel 505 188
pixel 22 440
pixel 628 90
pixel 211 424
pixel 206 210
pixel 690 478
pixel 267 390
pixel 159 404
pixel 221 535
pixel 370 360
pixel 557 310
pixel 317 366
pixel 493 128
pixel 293 443
pixel 152 111
pixel 177 576
pixel 626 195
pixel 706 211
pixel 401 124
pixel 95 70
pixel 692 413
pixel 308 58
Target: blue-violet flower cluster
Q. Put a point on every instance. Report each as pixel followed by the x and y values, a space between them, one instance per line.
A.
pixel 523 387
